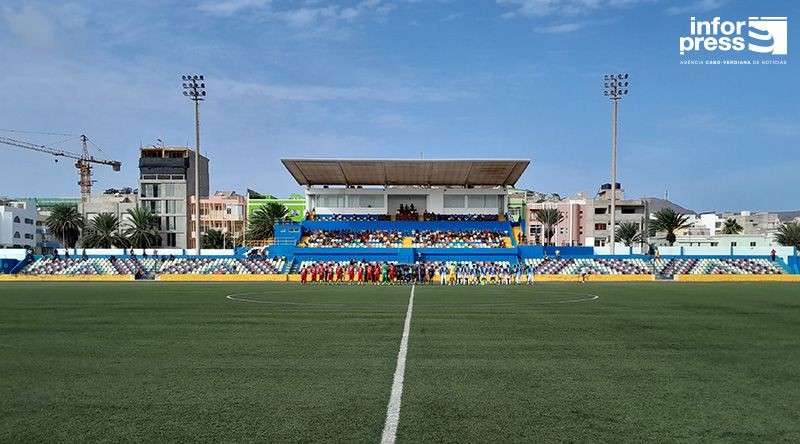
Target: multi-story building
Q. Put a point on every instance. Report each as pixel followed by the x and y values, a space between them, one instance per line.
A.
pixel 693 239
pixel 586 221
pixel 46 241
pixel 17 224
pixel 116 202
pixel 224 211
pixel 296 204
pixel 166 180
pixel 753 223
pixel 597 222
pixel 568 232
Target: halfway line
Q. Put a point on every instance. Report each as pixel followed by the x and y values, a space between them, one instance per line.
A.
pixel 393 410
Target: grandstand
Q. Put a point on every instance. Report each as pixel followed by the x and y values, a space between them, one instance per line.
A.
pixel 426 213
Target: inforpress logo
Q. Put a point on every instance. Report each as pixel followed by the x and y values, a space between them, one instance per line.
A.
pixel 766 35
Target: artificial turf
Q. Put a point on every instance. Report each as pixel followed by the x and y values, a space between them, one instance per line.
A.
pixel 178 362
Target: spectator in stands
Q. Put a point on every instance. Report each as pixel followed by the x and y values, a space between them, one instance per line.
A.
pixel 773 254
pixel 84 256
pixel 558 255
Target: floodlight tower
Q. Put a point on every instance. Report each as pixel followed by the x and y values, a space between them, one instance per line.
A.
pixel 616 87
pixel 195 89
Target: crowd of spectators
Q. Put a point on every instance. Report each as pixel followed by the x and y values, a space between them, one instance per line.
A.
pixel 355 239
pixel 407 213
pixel 459 239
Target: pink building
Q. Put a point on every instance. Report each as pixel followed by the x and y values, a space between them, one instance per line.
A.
pixel 224 211
pixel 567 233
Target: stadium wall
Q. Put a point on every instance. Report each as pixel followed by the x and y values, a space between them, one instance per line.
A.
pixel 6 265
pixel 223 277
pixel 794 265
pixel 737 277
pixel 68 278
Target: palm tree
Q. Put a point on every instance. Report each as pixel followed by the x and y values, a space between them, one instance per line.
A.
pixel 262 221
pixel 732 227
pixel 550 218
pixel 141 231
pixel 669 220
pixel 103 232
pixel 66 224
pixel 628 232
pixel 788 235
pixel 216 239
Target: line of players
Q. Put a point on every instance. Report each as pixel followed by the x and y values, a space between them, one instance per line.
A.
pixel 375 273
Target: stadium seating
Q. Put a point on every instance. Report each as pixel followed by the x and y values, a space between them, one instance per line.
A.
pixel 221 266
pixel 354 239
pixel 71 267
pixel 592 266
pixel 459 239
pixel 150 266
pixel 669 267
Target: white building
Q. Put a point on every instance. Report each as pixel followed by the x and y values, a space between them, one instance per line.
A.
pixel 117 203
pixel 17 225
pixel 726 240
pixel 380 187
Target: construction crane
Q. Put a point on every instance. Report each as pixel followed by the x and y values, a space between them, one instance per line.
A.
pixel 83 162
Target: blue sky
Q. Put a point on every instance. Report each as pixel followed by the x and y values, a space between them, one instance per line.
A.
pixel 380 78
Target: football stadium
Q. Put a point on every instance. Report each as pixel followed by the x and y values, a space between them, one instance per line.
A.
pixel 399 221
pixel 402 307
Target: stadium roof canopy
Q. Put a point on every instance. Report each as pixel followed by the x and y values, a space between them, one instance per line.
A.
pixel 430 172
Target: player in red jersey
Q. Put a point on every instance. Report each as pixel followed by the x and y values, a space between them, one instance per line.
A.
pixel 303 275
pixel 361 275
pixel 339 273
pixel 351 271
pixel 391 273
pixel 314 274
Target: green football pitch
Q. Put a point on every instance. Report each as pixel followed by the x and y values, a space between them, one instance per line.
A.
pixel 182 362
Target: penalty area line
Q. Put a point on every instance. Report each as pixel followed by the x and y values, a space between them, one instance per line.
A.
pixel 393 409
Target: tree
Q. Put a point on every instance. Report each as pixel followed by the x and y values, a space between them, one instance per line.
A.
pixel 141 231
pixel 550 218
pixel 788 235
pixel 628 233
pixel 668 220
pixel 732 227
pixel 103 232
pixel 262 221
pixel 66 224
pixel 216 239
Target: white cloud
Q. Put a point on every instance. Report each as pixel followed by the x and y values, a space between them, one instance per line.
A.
pixel 31 25
pixel 559 29
pixel 698 6
pixel 226 8
pixel 311 13
pixel 543 8
pixel 232 89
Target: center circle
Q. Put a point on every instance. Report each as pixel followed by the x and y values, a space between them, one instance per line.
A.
pixel 569 297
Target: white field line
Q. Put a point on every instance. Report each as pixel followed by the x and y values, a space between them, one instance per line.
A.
pixel 393 410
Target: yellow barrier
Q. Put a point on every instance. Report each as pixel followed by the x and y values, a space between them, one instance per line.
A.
pixel 737 277
pixel 223 277
pixel 58 278
pixel 593 278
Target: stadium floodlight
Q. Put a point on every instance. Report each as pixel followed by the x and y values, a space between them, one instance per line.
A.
pixel 196 92
pixel 615 88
